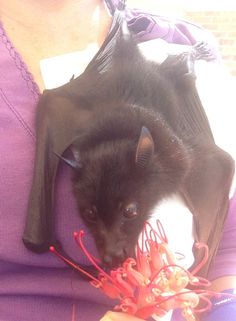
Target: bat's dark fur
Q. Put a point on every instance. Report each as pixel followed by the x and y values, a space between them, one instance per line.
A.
pixel 111 178
pixel 138 133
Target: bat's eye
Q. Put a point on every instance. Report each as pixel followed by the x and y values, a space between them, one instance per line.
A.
pixel 90 214
pixel 131 210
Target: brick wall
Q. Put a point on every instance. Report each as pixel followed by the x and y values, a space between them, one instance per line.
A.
pixel 223 26
pixel 218 16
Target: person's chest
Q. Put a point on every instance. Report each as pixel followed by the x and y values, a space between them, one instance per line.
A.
pixel 59 33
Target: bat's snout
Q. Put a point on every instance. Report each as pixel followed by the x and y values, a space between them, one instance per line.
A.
pixel 114 257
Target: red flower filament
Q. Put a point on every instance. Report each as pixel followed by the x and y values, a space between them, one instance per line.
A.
pixel 153 283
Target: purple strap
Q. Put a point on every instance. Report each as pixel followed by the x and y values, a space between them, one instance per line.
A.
pixel 146 26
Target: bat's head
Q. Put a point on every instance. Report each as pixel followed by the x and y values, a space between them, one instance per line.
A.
pixel 118 182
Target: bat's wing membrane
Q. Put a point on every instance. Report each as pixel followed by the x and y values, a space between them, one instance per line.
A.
pixel 207 185
pixel 60 120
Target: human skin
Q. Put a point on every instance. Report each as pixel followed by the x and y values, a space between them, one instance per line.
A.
pixel 119 316
pixel 223 283
pixel 47 28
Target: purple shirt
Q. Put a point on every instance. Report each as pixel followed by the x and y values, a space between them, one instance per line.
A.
pixel 40 287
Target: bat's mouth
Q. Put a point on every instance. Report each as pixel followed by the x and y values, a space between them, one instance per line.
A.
pixel 117 257
pixel 114 261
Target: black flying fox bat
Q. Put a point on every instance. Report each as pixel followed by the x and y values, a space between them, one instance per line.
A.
pixel 138 133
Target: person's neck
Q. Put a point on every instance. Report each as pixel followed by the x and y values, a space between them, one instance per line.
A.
pixel 46 28
pixel 38 16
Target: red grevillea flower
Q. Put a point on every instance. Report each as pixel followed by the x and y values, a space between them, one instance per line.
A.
pixel 153 283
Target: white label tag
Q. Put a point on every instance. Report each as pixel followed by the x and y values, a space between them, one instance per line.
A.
pixel 57 71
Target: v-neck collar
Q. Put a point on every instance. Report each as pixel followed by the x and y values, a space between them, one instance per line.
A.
pixel 18 88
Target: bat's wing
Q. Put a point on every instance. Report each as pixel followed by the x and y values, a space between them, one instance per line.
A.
pixel 207 185
pixel 206 191
pixel 190 118
pixel 64 112
pixel 61 117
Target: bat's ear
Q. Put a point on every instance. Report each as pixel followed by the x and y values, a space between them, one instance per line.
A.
pixel 74 160
pixel 145 148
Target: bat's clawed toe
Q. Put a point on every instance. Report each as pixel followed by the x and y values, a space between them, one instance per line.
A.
pixel 36 247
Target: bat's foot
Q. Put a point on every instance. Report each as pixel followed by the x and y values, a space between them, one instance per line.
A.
pixel 182 65
pixel 201 50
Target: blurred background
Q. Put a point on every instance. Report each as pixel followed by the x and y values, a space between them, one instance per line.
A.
pixel 218 16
